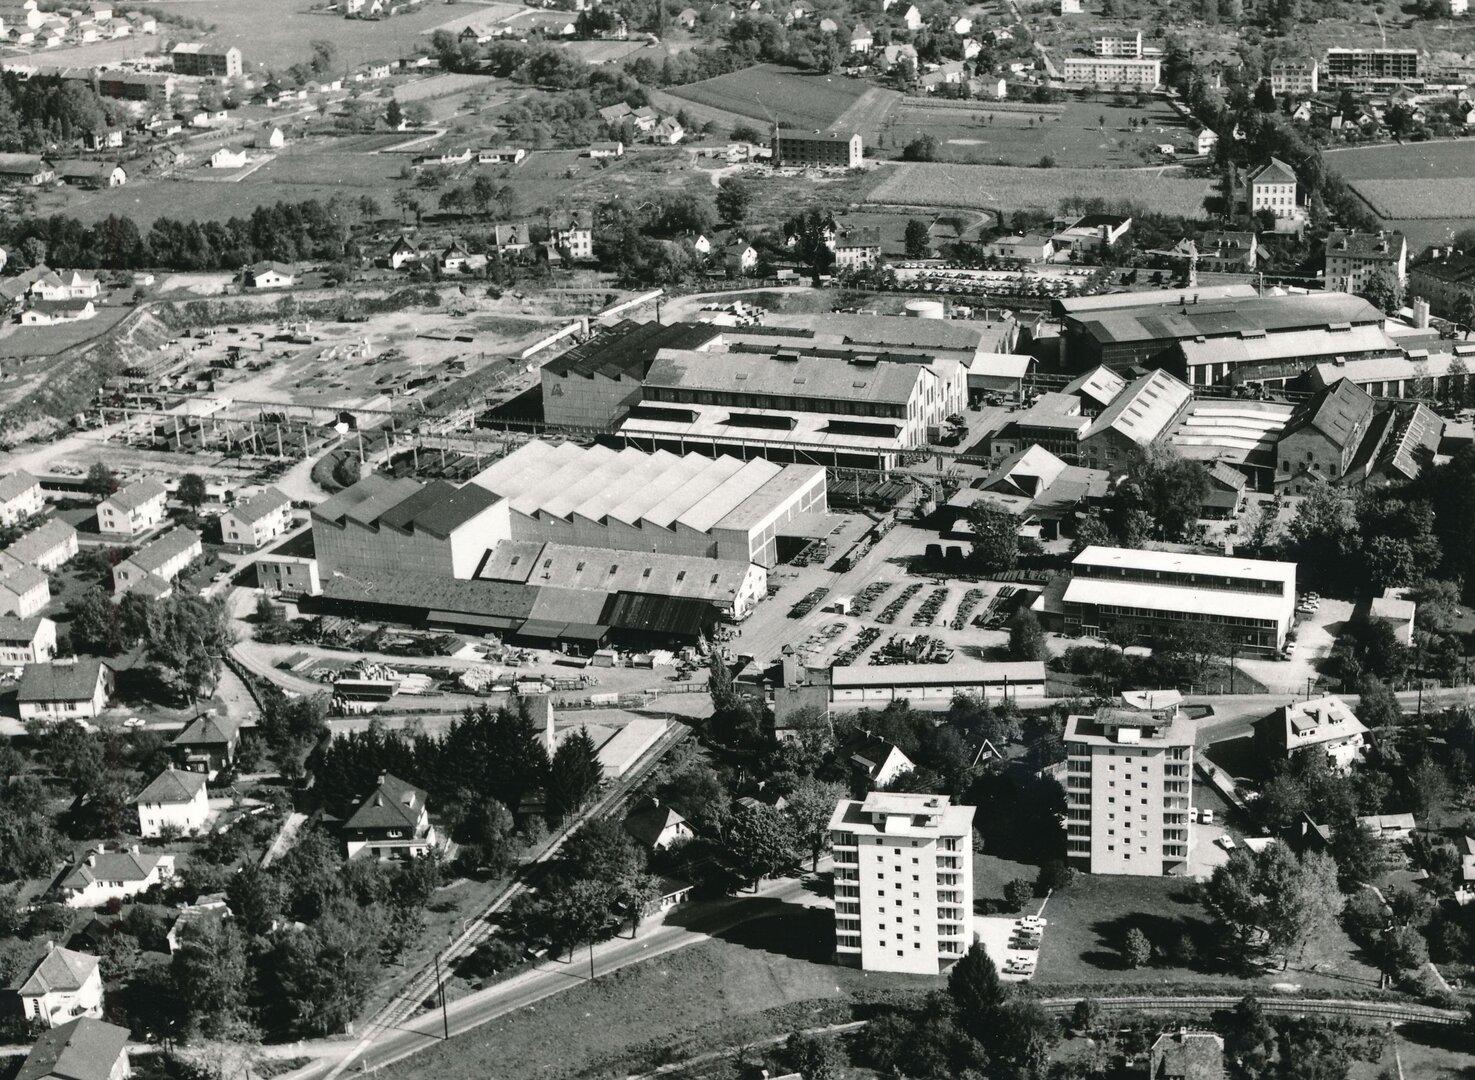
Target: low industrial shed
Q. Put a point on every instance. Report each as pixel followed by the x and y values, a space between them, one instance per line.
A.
pixel 862 685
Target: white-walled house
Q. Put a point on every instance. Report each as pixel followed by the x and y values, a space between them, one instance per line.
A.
pixel 20 497
pixel 26 641
pixel 63 986
pixel 134 509
pixel 47 547
pixel 24 590
pixel 175 799
pixel 113 875
pixel 64 689
pixel 156 564
pixel 258 520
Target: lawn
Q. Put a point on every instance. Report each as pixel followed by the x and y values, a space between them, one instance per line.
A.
pixel 989 187
pixel 1089 921
pixel 31 341
pixel 768 93
pixel 1081 133
pixel 671 1005
pixel 276 33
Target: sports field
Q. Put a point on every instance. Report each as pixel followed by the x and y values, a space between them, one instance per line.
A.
pixel 992 187
pixel 772 94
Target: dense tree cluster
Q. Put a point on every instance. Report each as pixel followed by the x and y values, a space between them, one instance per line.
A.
pixel 38 113
pixel 286 232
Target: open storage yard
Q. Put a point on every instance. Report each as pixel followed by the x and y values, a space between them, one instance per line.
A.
pixel 1078 133
pixel 1424 189
pixel 990 187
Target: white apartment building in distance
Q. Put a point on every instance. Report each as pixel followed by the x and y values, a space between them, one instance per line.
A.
pixel 1117 43
pixel 1111 71
pixel 1129 788
pixel 903 881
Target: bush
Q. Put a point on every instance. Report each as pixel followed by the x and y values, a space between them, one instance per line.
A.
pixel 1018 893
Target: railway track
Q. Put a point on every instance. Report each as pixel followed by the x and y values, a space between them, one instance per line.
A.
pixel 1390 1011
pixel 409 999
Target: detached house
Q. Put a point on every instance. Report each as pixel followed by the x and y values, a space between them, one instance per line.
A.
pixel 880 761
pixel 26 641
pixel 268 275
pixel 392 823
pixel 24 590
pixel 258 520
pixel 84 1049
pixel 113 875
pixel 134 509
pixel 403 253
pixel 207 744
pixel 1272 187
pixel 61 987
pixel 1324 725
pixel 574 233
pixel 175 799
pixel 155 565
pixel 656 827
pixel 76 689
pixel 20 497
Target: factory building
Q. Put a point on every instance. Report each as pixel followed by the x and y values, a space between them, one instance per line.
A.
pixel 705 507
pixel 595 384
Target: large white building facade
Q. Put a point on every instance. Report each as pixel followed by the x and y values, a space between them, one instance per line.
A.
pixel 903 882
pixel 1129 791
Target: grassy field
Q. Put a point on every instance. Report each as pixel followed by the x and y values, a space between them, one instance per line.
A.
pixel 1089 921
pixel 1422 189
pixel 275 33
pixel 1088 134
pixel 22 341
pixel 778 960
pixel 989 187
pixel 767 93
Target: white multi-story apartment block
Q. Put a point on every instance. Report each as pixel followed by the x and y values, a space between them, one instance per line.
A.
pixel 1297 78
pixel 903 881
pixel 1110 43
pixel 1129 790
pixel 1113 71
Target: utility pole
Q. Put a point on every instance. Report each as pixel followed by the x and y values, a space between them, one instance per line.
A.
pixel 445 1019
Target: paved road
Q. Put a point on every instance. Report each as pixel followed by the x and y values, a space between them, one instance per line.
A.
pixel 687 925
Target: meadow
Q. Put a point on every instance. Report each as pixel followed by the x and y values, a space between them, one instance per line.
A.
pixel 992 187
pixel 276 33
pixel 1082 134
pixel 769 93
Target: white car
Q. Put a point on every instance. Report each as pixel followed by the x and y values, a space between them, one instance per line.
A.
pixel 1019 967
pixel 1032 922
pixel 133 722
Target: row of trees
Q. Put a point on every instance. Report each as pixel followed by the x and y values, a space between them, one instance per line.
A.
pixel 283 231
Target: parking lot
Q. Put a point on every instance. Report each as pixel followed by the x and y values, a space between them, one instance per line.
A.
pixel 1012 943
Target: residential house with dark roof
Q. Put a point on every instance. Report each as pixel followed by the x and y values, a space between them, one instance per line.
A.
pixel 1231 252
pixel 207 744
pixel 1321 442
pixel 1043 491
pixel 154 566
pixel 1187 1055
pixel 76 689
pixel 89 173
pixel 403 252
pixel 880 762
pixel 101 876
pixel 176 800
pixel 84 1049
pixel 133 509
pixel 20 497
pixel 60 987
pixel 656 827
pixel 1326 725
pixel 1353 259
pixel 393 822
pixel 268 275
pixel 257 521
pixel 26 641
pixel 573 233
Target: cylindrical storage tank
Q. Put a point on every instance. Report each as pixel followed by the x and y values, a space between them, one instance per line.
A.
pixel 925 309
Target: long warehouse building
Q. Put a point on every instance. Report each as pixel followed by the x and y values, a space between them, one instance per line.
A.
pixel 710 507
